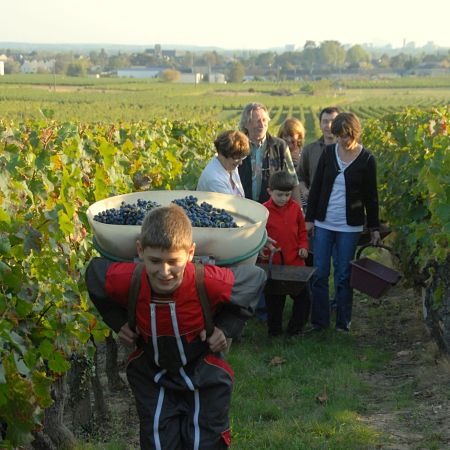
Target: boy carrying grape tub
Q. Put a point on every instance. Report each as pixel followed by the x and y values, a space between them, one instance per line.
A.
pixel 181 383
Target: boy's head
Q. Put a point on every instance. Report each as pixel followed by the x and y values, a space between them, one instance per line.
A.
pixel 165 247
pixel 280 188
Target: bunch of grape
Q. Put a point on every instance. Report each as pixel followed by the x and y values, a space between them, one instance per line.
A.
pixel 127 213
pixel 204 214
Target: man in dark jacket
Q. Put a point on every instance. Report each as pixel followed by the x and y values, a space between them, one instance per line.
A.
pixel 268 154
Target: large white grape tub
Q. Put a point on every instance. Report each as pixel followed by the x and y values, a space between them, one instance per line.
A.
pixel 227 246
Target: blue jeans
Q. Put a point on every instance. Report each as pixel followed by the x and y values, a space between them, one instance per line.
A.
pixel 344 251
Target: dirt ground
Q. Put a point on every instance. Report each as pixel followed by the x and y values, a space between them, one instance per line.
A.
pixel 393 323
pixel 417 363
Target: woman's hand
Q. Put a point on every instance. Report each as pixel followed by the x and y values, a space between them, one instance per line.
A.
pixel 303 253
pixel 271 245
pixel 375 238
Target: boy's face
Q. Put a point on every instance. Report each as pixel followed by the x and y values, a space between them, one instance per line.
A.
pixel 280 198
pixel 165 268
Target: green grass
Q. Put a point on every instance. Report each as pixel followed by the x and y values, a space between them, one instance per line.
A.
pixel 89 99
pixel 276 406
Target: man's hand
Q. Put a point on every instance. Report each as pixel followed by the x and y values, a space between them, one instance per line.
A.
pixel 309 227
pixel 217 341
pixel 271 244
pixel 127 336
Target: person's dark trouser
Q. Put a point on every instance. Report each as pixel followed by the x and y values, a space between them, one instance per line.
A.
pixel 173 417
pixel 301 304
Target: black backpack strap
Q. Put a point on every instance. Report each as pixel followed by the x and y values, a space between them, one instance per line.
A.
pixel 133 294
pixel 206 307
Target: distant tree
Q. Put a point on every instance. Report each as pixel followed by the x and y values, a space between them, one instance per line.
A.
pixel 310 45
pixel 384 61
pixel 187 61
pixel 236 73
pixel 332 54
pixel 212 59
pixel 12 66
pixel 62 60
pixel 398 61
pixel 310 56
pixel 118 61
pixel 431 58
pixel 266 59
pixel 289 60
pixel 76 69
pixel 170 75
pixel 143 59
pixel 357 57
pixel 411 62
pixel 99 58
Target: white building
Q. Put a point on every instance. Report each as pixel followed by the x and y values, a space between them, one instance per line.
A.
pixel 140 72
pixel 217 77
pixel 194 78
pixel 34 66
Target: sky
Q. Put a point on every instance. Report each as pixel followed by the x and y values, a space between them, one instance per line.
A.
pixel 227 24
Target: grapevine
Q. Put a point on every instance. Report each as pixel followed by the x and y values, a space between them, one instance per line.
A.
pixel 52 172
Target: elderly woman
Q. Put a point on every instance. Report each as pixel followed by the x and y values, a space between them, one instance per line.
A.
pixel 221 173
pixel 342 198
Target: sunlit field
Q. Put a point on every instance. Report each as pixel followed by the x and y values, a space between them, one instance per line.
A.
pixel 89 99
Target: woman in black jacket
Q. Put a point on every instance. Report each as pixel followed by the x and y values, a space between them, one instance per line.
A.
pixel 342 198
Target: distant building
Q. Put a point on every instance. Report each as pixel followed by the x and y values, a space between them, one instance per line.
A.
pixel 2 68
pixel 194 78
pixel 36 66
pixel 169 54
pixel 155 72
pixel 217 77
pixel 140 72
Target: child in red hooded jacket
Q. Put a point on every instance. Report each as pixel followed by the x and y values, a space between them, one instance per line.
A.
pixel 286 226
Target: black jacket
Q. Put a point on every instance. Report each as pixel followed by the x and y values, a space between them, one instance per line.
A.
pixel 360 189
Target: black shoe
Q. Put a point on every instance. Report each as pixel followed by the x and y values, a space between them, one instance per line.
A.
pixel 274 333
pixel 294 332
pixel 313 331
